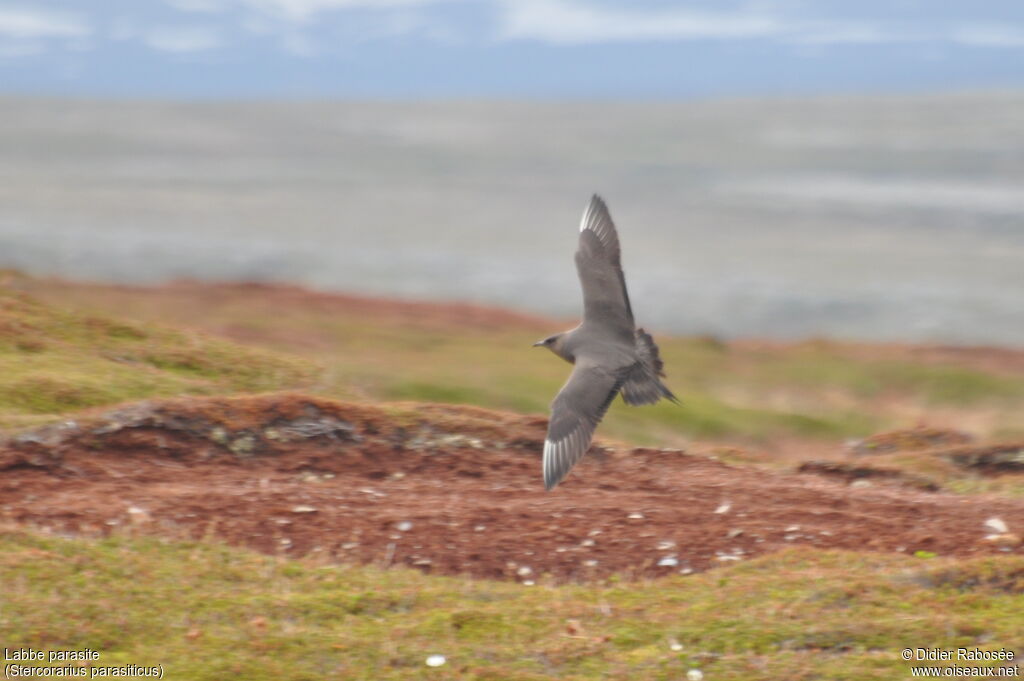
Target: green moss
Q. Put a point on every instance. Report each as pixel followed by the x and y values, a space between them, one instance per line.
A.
pixel 734 392
pixel 206 611
pixel 54 361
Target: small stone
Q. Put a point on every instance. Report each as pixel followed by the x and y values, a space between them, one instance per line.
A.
pixel 861 484
pixel 524 571
pixel 436 660
pixel 243 446
pixel 528 582
pixel 1006 539
pixel 675 645
pixel 302 508
pixel 590 563
pixel 635 516
pixel 666 545
pixel 695 675
pixel 479 528
pixel 138 516
pixel 793 528
pixel 733 533
pixel 686 571
pixel 349 545
pixel 587 542
pixel 668 561
pixel 996 526
pixel 403 526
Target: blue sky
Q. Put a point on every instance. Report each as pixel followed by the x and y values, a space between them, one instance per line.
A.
pixel 506 48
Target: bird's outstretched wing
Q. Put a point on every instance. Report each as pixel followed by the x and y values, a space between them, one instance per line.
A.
pixel 605 301
pixel 575 413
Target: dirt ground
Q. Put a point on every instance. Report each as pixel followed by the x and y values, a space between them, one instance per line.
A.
pixel 451 490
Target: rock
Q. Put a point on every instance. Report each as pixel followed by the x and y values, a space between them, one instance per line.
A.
pixel 990 459
pixel 912 439
pixel 1006 539
pixel 303 509
pixel 996 526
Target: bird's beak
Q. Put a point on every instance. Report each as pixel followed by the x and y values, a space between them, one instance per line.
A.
pixel 538 344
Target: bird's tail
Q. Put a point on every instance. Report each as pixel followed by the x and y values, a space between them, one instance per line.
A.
pixel 642 384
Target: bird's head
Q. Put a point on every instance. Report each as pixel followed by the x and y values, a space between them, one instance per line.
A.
pixel 552 343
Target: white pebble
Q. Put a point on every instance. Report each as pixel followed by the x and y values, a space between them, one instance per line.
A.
pixel 723 507
pixel 996 525
pixel 403 526
pixel 436 660
pixel 694 675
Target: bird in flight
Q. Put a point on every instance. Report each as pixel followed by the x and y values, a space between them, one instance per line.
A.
pixel 610 355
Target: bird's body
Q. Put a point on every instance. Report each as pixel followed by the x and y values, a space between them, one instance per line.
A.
pixel 609 354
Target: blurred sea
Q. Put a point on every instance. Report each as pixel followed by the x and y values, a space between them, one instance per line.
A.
pixel 884 218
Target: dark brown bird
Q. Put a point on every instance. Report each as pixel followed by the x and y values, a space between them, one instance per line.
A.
pixel 610 354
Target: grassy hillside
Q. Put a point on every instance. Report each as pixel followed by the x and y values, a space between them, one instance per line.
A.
pixel 55 360
pixel 207 611
pixel 751 393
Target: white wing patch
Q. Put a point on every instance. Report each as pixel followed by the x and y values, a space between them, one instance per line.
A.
pixel 560 456
pixel 596 219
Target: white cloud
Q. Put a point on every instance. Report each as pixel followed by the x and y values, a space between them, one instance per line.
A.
pixel 990 35
pixel 851 34
pixel 183 38
pixel 297 11
pixel 575 23
pixel 197 5
pixel 25 23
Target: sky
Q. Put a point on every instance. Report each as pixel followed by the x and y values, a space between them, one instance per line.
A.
pixel 506 48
